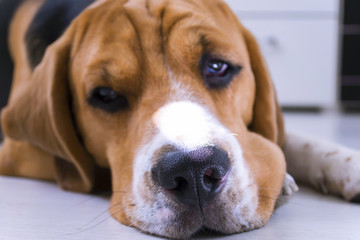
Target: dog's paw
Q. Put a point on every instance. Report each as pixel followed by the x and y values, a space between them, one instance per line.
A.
pixel 288 189
pixel 329 167
pixel 289 186
pixel 340 174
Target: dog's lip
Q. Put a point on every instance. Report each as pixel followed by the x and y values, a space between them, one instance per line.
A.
pixel 205 232
pixel 192 219
pixel 195 220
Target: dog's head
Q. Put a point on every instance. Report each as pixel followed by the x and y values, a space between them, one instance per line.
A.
pixel 174 97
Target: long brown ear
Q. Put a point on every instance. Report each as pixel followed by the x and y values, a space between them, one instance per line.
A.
pixel 267 116
pixel 39 112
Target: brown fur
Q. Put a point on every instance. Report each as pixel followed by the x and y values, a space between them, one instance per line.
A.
pixel 130 47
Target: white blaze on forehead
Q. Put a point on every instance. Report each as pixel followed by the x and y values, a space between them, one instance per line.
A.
pixel 186 123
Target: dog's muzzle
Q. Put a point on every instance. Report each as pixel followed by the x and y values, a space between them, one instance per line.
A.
pixel 194 177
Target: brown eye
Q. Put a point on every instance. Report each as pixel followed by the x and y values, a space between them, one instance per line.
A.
pixel 107 99
pixel 217 73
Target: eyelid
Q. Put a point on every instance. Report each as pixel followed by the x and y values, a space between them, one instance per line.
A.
pixel 217 57
pixel 96 100
pixel 216 81
pixel 233 67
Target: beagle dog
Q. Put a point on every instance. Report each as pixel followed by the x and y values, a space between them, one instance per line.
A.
pixel 168 102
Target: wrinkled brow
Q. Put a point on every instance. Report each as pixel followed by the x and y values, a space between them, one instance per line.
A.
pixel 111 74
pixel 101 72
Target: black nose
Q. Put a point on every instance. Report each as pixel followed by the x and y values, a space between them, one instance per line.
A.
pixel 195 177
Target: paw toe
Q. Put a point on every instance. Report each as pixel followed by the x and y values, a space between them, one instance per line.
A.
pixel 289 186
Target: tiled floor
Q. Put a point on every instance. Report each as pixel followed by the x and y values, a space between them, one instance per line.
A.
pixel 39 210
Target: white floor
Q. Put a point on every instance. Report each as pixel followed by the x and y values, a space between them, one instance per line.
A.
pixel 39 210
pixel 342 128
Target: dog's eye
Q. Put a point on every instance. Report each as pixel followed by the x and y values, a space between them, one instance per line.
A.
pixel 216 68
pixel 107 99
pixel 217 73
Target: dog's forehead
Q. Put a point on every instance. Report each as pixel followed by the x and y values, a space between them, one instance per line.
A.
pixel 152 26
pixel 125 39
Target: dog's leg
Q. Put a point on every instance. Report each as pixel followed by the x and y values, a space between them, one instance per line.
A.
pixel 24 160
pixel 329 167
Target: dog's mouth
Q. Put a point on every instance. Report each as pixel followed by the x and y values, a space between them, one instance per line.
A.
pixel 208 232
pixel 195 192
pixel 186 211
pixel 217 217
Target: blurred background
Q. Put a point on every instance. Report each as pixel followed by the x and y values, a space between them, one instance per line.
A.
pixel 312 49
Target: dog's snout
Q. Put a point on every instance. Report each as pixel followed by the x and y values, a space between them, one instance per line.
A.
pixel 194 177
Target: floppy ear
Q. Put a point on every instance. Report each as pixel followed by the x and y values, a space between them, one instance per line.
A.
pixel 267 116
pixel 39 112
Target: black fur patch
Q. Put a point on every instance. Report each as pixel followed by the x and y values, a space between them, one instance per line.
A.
pixel 7 10
pixel 49 23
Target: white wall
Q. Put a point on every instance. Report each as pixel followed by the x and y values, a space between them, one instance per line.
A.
pixel 299 40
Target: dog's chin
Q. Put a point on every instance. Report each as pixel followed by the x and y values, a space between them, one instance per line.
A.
pixel 177 221
pixel 168 222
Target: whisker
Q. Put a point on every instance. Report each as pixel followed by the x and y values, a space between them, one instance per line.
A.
pixel 231 134
pixel 86 200
pixel 259 187
pixel 94 197
pixel 102 213
pixel 269 213
pixel 133 223
pixel 269 188
pixel 267 197
pixel 125 169
pixel 97 224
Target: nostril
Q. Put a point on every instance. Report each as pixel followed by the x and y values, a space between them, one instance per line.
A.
pixel 169 181
pixel 209 172
pixel 212 179
pixel 181 184
pixel 193 177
